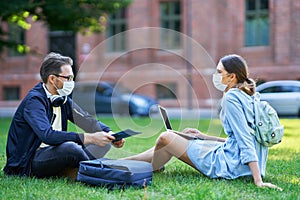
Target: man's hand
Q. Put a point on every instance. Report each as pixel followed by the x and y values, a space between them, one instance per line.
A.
pixel 119 143
pixel 99 138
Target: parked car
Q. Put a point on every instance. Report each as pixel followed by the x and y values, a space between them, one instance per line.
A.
pixel 105 97
pixel 283 96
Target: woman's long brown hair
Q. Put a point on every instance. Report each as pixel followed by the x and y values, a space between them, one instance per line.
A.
pixel 235 64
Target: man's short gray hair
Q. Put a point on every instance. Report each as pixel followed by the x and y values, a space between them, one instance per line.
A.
pixel 52 64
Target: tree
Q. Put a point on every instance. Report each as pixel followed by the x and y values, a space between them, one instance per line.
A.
pixel 67 15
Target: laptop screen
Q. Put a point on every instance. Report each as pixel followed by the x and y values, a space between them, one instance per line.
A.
pixel 165 117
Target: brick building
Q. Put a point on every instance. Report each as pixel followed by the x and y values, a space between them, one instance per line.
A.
pixel 154 58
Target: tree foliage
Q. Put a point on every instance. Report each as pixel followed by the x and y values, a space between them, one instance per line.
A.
pixel 67 15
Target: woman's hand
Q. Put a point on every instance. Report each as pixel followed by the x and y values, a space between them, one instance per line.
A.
pixel 269 185
pixel 257 177
pixel 196 132
pixel 191 131
pixel 201 135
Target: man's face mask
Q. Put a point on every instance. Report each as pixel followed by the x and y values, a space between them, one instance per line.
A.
pixel 67 88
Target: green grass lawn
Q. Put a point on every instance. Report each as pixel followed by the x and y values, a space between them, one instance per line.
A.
pixel 178 181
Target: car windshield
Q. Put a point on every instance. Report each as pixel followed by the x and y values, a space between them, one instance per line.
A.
pixel 109 89
pixel 284 88
pixel 121 89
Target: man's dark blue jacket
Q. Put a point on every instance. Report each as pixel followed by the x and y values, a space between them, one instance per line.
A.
pixel 31 125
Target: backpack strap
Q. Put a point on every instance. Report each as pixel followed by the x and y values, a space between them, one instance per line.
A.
pixel 255 99
pixel 252 131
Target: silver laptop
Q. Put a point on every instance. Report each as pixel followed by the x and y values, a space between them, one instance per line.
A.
pixel 168 126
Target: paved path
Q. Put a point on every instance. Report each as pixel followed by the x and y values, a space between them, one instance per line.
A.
pixel 7 111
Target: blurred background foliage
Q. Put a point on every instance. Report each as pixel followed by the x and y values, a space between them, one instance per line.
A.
pixel 84 16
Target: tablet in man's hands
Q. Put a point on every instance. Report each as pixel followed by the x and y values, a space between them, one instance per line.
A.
pixel 124 134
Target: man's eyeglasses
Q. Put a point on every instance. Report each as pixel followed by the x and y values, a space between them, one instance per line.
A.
pixel 69 78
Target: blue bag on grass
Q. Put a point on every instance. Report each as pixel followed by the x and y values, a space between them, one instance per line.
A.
pixel 115 173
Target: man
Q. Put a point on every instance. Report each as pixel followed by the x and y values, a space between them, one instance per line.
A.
pixel 38 143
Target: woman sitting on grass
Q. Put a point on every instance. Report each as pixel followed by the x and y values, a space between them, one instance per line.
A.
pixel 236 156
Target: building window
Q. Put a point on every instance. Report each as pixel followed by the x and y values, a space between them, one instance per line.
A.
pixel 116 24
pixel 11 93
pixel 257 26
pixel 170 18
pixel 166 91
pixel 16 34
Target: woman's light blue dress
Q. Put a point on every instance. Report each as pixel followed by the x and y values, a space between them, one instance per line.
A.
pixel 230 159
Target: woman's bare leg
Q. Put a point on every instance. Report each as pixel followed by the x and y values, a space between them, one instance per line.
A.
pixel 170 144
pixel 144 156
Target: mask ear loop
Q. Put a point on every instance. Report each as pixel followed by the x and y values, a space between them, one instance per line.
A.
pixel 232 77
pixel 55 87
pixel 54 84
pixel 230 81
pixel 237 85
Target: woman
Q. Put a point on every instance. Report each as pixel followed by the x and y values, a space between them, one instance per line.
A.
pixel 237 155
